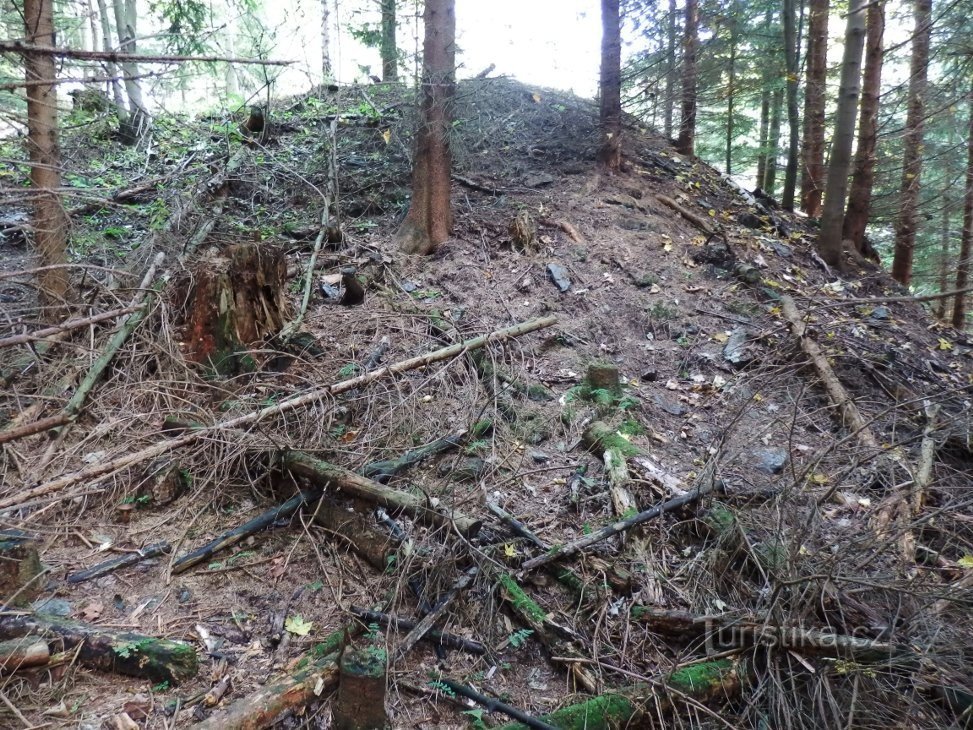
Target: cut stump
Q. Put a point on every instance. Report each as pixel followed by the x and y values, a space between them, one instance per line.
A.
pixel 237 299
pixel 20 566
pixel 360 703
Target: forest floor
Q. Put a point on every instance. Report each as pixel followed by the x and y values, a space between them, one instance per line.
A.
pixel 812 525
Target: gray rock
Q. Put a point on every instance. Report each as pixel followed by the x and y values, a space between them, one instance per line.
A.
pixel 559 276
pixel 770 460
pixel 538 180
pixel 53 607
pixel 539 457
pixel 673 408
pixel 735 349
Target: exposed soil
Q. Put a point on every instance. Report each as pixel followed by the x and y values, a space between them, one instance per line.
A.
pixel 649 292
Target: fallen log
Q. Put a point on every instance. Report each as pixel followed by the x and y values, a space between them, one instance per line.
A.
pixel 627 707
pixel 494 705
pixel 415 505
pixel 110 566
pixel 559 552
pixel 96 472
pixel 382 471
pixel 23 653
pixel 232 537
pixel 65 326
pixel 433 636
pixel 315 674
pixel 134 655
pixel 725 630
pixel 360 533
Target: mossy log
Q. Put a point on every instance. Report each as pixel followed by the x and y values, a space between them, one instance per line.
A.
pixel 631 706
pixel 135 655
pixel 237 299
pixel 23 653
pixel 315 674
pixel 20 568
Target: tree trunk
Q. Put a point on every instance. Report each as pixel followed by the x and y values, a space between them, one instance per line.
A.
pixel 690 46
pixel 610 154
pixel 139 120
pixel 863 179
pixel 429 219
pixel 966 243
pixel 731 88
pixel 670 98
pixel 793 117
pixel 110 67
pixel 905 225
pixel 812 179
pixel 50 222
pixel 327 72
pixel 776 109
pixel 390 51
pixel 763 141
pixel 832 218
pixel 93 25
pixel 944 257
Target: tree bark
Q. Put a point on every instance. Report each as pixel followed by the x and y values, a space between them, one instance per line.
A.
pixel 690 48
pixel 905 225
pixel 110 67
pixel 944 257
pixel 731 87
pixel 793 117
pixel 610 154
pixel 813 171
pixel 389 49
pixel 863 178
pixel 429 219
pixel 670 92
pixel 966 243
pixel 773 145
pixel 327 73
pixel 139 119
pixel 50 221
pixel 832 218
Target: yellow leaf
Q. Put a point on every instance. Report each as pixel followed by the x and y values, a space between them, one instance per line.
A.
pixel 965 562
pixel 819 478
pixel 667 248
pixel 712 213
pixel 387 135
pixel 945 344
pixel 721 337
pixel 536 97
pixel 757 397
pixel 509 550
pixel 298 626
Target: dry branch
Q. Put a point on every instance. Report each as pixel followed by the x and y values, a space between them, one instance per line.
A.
pixel 440 638
pixel 698 221
pixel 96 472
pixel 63 327
pixel 426 623
pixel 616 528
pixel 110 566
pixel 324 473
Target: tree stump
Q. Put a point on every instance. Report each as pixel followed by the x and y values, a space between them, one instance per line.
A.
pixel 19 567
pixel 523 231
pixel 237 299
pixel 604 376
pixel 360 703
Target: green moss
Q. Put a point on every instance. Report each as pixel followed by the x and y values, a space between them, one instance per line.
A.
pixel 523 604
pixel 600 713
pixel 700 676
pixel 720 519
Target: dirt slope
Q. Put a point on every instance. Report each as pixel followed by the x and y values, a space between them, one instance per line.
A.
pixel 715 387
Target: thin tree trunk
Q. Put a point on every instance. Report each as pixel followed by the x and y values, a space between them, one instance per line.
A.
pixel 125 23
pixel 763 140
pixel 731 88
pixel 93 25
pixel 863 179
pixel 429 219
pixel 812 178
pixel 327 72
pixel 690 46
pixel 944 257
pixel 832 218
pixel 966 242
pixel 905 225
pixel 107 44
pixel 793 117
pixel 50 221
pixel 776 114
pixel 670 98
pixel 610 153
pixel 390 51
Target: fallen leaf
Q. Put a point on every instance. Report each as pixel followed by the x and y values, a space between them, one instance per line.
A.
pixel 965 562
pixel 509 550
pixel 298 626
pixel 92 610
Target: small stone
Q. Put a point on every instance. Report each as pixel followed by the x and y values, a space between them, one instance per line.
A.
pixel 463 470
pixel 539 457
pixel 671 407
pixel 770 460
pixel 559 276
pixel 735 349
pixel 782 249
pixel 650 376
pixel 880 312
pixel 538 180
